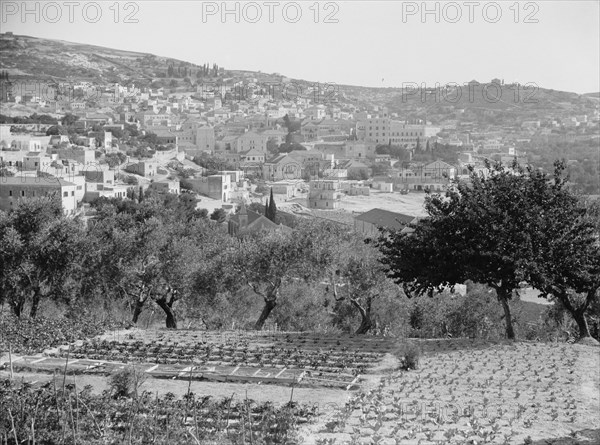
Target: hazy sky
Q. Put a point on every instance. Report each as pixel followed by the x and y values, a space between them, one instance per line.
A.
pixel 555 44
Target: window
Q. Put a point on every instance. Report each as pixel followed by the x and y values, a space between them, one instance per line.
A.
pixel 72 193
pixel 65 194
pixel 22 192
pixel 10 193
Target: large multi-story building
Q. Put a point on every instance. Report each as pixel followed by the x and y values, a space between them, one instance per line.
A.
pixel 252 141
pixel 383 130
pixel 402 133
pixel 324 194
pixel 16 188
pixel 214 186
pixel 205 138
pixel 377 130
pixel 282 167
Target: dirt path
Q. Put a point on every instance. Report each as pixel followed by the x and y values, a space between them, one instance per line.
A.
pixel 279 395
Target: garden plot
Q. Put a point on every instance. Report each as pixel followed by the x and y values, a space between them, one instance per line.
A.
pixel 503 393
pixel 291 359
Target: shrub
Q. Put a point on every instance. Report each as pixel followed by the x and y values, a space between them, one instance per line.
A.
pixel 126 382
pixel 409 355
pixel 476 315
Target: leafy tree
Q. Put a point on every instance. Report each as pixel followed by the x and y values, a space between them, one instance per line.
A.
pixel 480 231
pixel 267 261
pixel 256 207
pixel 359 279
pixel 380 168
pixel 213 164
pixel 69 119
pixel 565 244
pixel 288 147
pixel 147 255
pixel 4 171
pixel 272 147
pixel 38 253
pixel 218 215
pixel 383 149
pixel 56 130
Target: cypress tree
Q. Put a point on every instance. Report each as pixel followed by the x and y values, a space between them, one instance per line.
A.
pixel 267 208
pixel 272 208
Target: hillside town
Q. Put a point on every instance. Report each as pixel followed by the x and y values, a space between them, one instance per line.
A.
pixel 299 223
pixel 234 140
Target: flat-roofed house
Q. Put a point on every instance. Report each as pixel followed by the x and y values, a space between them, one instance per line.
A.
pixel 13 189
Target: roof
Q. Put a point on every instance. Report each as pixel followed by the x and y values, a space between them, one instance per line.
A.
pixel 34 180
pixel 385 218
pixel 385 179
pixel 253 152
pixel 257 217
pixel 355 164
pixel 252 216
pixel 281 158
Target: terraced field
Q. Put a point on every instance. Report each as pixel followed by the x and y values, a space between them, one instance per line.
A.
pixel 289 359
pixel 467 392
pixel 463 391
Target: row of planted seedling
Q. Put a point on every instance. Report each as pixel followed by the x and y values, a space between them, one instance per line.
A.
pixel 210 354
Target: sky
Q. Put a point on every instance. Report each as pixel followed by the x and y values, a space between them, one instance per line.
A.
pixel 553 44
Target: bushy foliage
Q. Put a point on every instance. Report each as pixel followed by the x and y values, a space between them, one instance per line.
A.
pixel 126 382
pixel 408 355
pixel 475 315
pixel 302 309
pixel 27 335
pixel 54 413
pixel 115 159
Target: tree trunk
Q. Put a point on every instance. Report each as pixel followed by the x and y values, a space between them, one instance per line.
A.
pixel 17 307
pixel 365 326
pixel 503 297
pixel 137 310
pixel 35 302
pixel 582 324
pixel 578 313
pixel 171 321
pixel 365 314
pixel 270 304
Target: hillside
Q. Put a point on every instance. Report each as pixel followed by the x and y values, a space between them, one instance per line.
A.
pixel 26 58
